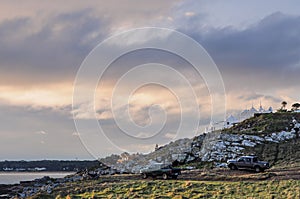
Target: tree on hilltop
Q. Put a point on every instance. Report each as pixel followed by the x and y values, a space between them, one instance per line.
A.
pixel 295 106
pixel 283 105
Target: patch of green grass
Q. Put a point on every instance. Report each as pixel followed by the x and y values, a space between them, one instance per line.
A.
pixel 186 189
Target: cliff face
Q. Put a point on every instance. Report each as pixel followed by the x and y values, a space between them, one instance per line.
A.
pixel 219 147
pixel 287 152
pixel 272 137
pixel 256 135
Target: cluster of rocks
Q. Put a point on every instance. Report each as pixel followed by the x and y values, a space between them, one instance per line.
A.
pixel 133 163
pixel 46 184
pixel 214 147
pixel 219 147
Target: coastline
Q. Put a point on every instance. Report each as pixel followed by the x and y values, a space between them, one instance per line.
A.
pixel 13 177
pixel 36 181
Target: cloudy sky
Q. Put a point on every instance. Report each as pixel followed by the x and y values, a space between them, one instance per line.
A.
pixel 254 44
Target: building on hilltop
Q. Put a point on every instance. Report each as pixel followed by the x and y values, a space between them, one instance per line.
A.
pixel 232 120
pixel 245 114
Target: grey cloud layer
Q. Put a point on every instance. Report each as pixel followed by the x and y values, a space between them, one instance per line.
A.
pixel 53 53
pixel 264 55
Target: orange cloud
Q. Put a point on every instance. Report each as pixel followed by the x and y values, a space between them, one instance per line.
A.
pixel 46 96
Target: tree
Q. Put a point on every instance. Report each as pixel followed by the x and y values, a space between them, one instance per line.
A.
pixel 295 106
pixel 284 103
pixel 156 147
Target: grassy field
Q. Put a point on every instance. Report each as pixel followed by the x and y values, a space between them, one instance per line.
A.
pixel 178 189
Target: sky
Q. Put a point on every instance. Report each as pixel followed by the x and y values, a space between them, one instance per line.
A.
pixel 255 46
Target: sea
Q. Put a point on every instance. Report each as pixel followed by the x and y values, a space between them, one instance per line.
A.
pixel 16 177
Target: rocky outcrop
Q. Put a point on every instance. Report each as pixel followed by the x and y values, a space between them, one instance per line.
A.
pixel 219 147
pixel 284 152
pixel 216 147
pixel 133 163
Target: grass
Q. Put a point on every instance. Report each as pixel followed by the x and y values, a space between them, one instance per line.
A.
pixel 180 189
pixel 264 124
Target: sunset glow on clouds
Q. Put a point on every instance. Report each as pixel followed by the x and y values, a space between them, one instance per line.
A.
pixel 256 46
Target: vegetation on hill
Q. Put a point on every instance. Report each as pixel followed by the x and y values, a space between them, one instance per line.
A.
pixel 265 124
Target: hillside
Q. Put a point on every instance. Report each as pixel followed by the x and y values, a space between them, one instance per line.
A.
pixel 281 153
pixel 273 137
pixel 264 124
pixel 134 162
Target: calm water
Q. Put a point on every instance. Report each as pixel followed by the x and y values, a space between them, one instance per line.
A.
pixel 16 177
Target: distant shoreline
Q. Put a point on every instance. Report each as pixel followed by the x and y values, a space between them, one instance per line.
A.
pixel 18 178
pixel 12 181
pixel 47 165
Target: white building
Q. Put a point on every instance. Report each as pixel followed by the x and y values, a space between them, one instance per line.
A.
pixel 245 114
pixel 232 120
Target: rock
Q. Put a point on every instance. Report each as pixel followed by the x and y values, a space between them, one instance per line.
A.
pixel 254 138
pixel 235 149
pixel 248 143
pixel 221 165
pixel 235 144
pixel 269 139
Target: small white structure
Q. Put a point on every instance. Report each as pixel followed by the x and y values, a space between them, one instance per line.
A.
pixel 230 121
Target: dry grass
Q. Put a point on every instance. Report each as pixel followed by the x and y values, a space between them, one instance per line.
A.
pixel 179 189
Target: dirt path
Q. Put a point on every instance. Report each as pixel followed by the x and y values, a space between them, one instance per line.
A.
pixel 241 175
pixel 220 175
